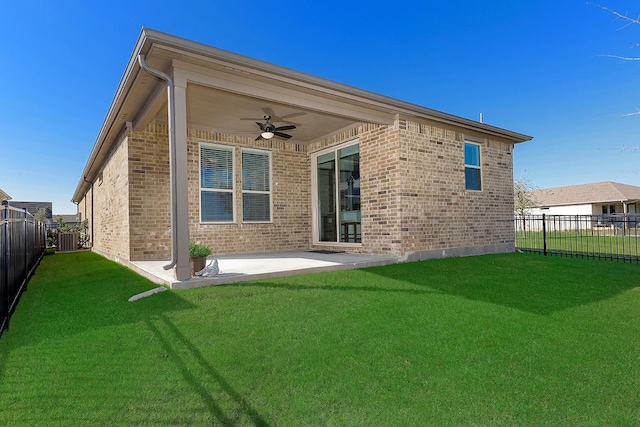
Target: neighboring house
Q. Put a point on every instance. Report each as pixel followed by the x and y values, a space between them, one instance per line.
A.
pixel 361 172
pixel 600 198
pixel 4 196
pixel 65 219
pixel 34 207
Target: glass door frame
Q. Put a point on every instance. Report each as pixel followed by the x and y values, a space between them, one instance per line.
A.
pixel 316 216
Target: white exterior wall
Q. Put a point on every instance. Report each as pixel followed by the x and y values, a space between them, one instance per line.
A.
pixel 562 218
pixel 566 210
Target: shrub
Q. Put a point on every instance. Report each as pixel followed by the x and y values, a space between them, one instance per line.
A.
pixel 199 250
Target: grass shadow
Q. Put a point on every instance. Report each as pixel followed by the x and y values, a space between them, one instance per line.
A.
pixel 78 292
pixel 170 342
pixel 527 282
pixel 285 284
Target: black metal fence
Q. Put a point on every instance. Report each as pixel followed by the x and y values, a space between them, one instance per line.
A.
pixel 22 245
pixel 612 237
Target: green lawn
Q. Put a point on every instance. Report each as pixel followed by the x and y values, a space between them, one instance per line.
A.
pixel 596 244
pixel 498 340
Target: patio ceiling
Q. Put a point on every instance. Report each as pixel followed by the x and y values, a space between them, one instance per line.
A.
pixel 228 94
pixel 231 113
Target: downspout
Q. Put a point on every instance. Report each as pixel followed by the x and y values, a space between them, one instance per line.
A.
pixel 172 161
pixel 91 237
pixel 92 215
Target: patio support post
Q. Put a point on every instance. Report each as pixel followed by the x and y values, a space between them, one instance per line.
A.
pixel 182 269
pixel 177 114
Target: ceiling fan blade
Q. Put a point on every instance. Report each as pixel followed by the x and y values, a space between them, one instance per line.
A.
pixel 282 135
pixel 268 111
pixel 289 127
pixel 292 115
pixel 260 125
pixel 258 138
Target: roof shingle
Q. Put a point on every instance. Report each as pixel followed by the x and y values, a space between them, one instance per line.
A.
pixel 598 192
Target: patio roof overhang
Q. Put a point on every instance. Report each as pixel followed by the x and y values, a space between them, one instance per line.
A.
pixel 4 196
pixel 227 93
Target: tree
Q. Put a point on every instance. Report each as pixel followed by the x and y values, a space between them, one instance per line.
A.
pixel 523 200
pixel 627 20
pixel 42 215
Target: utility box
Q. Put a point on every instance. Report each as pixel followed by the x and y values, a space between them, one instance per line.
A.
pixel 67 242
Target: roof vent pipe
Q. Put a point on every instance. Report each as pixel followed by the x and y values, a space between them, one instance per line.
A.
pixel 172 161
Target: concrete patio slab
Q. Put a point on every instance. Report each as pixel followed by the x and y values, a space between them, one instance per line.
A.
pixel 264 265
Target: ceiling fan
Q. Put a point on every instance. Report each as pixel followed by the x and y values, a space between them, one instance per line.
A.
pixel 269 130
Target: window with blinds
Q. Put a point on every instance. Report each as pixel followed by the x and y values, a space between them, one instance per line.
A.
pixel 256 186
pixel 216 183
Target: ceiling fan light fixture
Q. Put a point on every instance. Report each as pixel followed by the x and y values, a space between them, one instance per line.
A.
pixel 269 130
pixel 267 135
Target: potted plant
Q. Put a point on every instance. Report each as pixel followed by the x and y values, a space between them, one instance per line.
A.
pixel 198 254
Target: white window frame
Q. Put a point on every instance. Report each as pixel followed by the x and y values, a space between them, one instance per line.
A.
pixel 477 167
pixel 221 147
pixel 269 192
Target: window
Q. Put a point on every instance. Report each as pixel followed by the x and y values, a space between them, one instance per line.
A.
pixel 216 183
pixel 472 170
pixel 256 186
pixel 611 209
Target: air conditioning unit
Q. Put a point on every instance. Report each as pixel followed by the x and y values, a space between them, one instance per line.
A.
pixel 67 242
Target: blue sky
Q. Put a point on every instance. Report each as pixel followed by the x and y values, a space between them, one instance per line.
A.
pixel 536 67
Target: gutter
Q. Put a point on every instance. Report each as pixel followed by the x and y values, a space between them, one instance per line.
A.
pixel 172 158
pixel 130 74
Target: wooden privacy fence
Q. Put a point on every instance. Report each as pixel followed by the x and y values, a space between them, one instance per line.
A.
pixel 22 245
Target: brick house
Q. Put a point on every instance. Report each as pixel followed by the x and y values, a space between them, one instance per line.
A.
pixel 361 172
pixel 597 198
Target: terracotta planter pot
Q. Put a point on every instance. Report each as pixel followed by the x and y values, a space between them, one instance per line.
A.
pixel 197 264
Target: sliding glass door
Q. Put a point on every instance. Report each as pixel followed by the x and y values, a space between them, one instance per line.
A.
pixel 326 193
pixel 337 191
